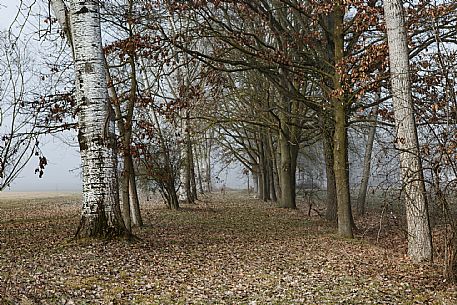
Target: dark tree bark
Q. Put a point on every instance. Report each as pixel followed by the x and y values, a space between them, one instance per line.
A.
pixel 327 129
pixel 340 151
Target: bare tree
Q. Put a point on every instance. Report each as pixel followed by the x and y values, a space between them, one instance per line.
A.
pixel 361 198
pixel 18 128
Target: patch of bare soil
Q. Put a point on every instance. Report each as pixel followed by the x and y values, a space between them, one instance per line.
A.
pixel 227 249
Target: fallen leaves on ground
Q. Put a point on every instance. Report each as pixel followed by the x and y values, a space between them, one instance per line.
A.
pixel 227 249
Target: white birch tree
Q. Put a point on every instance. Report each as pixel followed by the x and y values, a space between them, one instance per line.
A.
pixel 419 236
pixel 101 215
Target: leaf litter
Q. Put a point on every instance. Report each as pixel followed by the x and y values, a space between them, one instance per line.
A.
pixel 227 249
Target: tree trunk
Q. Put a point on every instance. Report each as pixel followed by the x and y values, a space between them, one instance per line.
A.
pixel 200 174
pixel 191 166
pixel 249 186
pixel 419 235
pixel 274 178
pixel 135 211
pixel 208 174
pixel 134 207
pixel 173 200
pixel 263 170
pixel 268 167
pixel 273 196
pixel 341 173
pixel 190 185
pixel 255 181
pixel 101 215
pixel 125 208
pixel 261 184
pixel 187 176
pixel 184 185
pixel 327 145
pixel 125 127
pixel 340 151
pixel 293 169
pixel 361 199
pixel 266 183
pixel 285 174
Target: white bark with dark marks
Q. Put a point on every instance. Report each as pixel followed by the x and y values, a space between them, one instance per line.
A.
pixel 100 215
pixel 419 236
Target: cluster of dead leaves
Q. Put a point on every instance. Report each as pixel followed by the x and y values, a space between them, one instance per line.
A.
pixel 227 249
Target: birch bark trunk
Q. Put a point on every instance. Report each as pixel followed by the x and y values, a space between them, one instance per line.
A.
pixel 101 215
pixel 184 187
pixel 198 154
pixel 419 236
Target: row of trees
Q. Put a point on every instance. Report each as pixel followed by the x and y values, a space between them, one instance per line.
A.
pixel 265 83
pixel 305 71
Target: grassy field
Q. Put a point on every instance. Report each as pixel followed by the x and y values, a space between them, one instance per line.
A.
pixel 227 249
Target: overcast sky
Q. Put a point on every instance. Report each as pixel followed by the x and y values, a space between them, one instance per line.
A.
pixel 60 174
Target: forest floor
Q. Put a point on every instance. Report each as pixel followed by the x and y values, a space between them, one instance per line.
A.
pixel 227 249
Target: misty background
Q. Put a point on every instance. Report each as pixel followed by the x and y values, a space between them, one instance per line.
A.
pixel 62 172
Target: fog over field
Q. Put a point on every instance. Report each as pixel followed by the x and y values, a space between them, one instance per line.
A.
pixel 62 159
pixel 61 174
